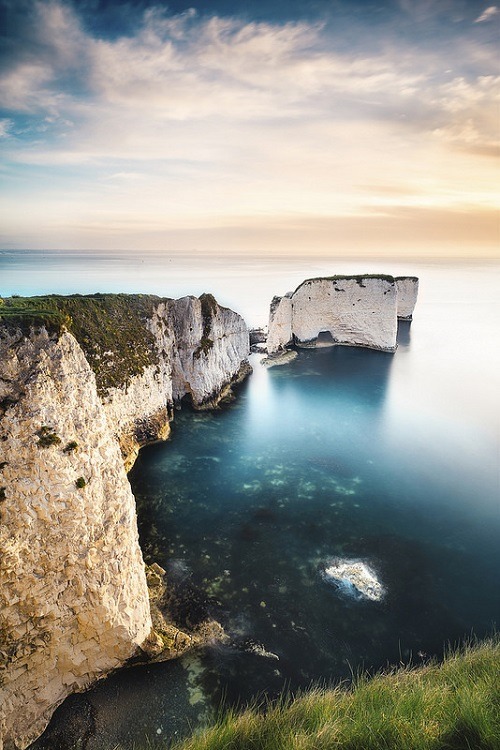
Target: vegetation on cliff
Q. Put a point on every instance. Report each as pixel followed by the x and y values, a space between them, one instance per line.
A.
pixel 450 706
pixel 110 328
pixel 358 278
pixel 208 311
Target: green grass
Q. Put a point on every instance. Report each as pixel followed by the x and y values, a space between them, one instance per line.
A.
pixel 47 437
pixel 110 328
pixel 450 706
pixel 358 278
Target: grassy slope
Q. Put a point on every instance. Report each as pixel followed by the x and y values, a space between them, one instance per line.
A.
pixel 110 328
pixel 452 706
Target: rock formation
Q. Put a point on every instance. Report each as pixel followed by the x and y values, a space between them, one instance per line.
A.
pixel 353 578
pixel 407 291
pixel 84 382
pixel 350 310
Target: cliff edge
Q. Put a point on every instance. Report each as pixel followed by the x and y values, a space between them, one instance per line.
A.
pixel 84 382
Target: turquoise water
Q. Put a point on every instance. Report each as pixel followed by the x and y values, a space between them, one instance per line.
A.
pixel 310 465
pixel 391 460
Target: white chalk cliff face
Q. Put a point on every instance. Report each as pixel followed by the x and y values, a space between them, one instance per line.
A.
pixel 280 331
pixel 211 341
pixel 73 599
pixel 349 310
pixel 407 292
pixel 202 351
pixel 73 595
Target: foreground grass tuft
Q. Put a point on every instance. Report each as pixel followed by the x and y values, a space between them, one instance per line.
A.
pixel 450 706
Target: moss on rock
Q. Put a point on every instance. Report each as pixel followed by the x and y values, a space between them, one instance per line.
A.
pixel 209 308
pixel 110 328
pixel 358 278
pixel 47 437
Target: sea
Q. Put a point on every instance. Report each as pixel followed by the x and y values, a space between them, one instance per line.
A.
pixel 386 462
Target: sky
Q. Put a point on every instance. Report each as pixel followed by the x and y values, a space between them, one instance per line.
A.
pixel 328 127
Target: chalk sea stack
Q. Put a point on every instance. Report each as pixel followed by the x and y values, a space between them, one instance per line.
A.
pixel 361 310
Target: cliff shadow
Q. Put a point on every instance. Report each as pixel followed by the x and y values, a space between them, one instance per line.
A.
pixel 72 726
pixel 404 333
pixel 362 374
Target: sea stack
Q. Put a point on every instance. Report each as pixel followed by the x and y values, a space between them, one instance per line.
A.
pixel 361 310
pixel 407 292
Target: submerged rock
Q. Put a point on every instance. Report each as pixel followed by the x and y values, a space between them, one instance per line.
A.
pixel 180 617
pixel 354 579
pixel 253 647
pixel 279 359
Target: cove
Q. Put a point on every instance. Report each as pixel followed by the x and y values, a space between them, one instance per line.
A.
pixel 314 461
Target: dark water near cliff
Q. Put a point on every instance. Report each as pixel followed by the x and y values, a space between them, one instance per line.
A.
pixel 388 459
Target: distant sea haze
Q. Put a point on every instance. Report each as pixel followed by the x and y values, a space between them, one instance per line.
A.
pixel 245 283
pixel 457 317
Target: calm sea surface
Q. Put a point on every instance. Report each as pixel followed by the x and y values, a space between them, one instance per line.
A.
pixel 391 460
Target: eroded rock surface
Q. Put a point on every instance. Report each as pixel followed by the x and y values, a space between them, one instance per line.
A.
pixel 76 403
pixel 73 595
pixel 350 310
pixel 407 292
pixel 279 358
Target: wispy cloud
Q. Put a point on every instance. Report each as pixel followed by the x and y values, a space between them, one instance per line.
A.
pixel 487 14
pixel 195 120
pixel 5 126
pixel 125 94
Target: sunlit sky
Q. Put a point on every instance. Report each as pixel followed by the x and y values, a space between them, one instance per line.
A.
pixel 326 127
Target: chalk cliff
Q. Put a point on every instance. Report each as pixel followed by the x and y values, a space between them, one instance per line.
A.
pixel 350 310
pixel 200 350
pixel 84 382
pixel 407 292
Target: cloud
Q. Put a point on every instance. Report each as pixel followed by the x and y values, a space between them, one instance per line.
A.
pixel 192 120
pixel 470 114
pixel 127 94
pixel 425 11
pixel 5 126
pixel 126 97
pixel 487 14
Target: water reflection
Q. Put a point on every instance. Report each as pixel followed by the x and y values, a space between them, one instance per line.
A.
pixel 404 331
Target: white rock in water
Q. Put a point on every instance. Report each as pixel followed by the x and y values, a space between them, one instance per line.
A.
pixel 342 310
pixel 355 579
pixel 259 650
pixel 407 291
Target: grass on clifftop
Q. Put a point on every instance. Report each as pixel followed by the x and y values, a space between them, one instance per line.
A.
pixel 451 706
pixel 358 278
pixel 110 328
